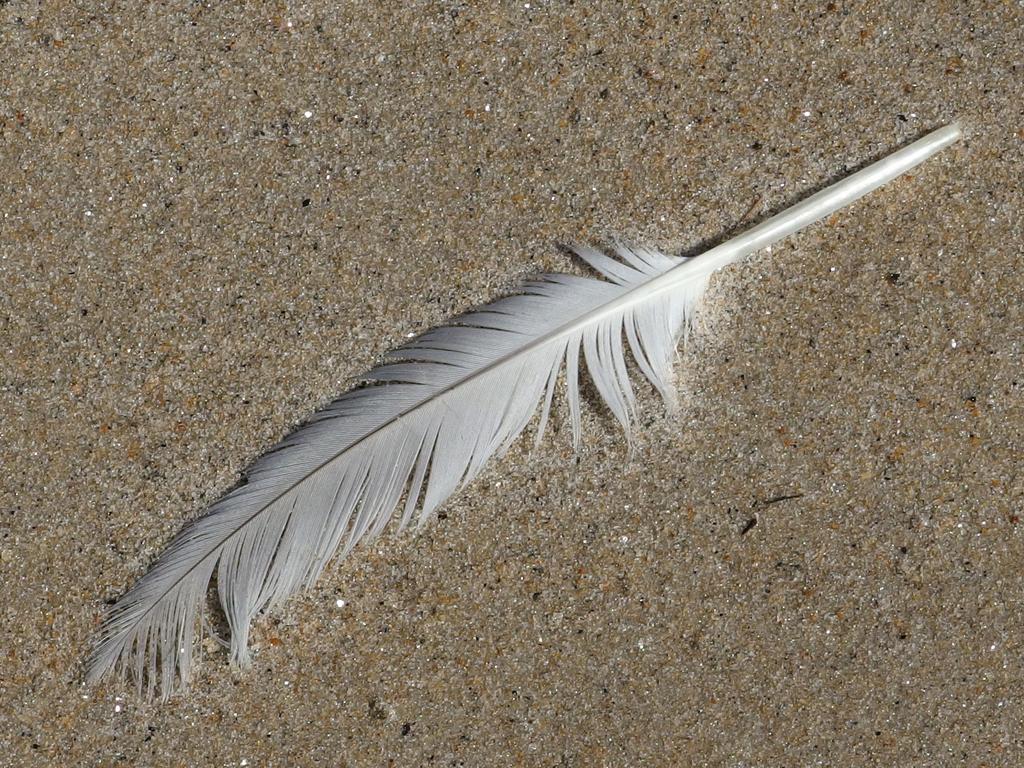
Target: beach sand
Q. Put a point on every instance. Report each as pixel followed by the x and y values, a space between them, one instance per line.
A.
pixel 214 218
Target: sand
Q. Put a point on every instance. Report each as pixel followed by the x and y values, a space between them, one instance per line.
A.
pixel 212 219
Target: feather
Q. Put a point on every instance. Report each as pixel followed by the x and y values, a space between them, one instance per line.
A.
pixel 423 424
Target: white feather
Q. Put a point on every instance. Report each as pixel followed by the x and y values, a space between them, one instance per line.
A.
pixel 424 425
